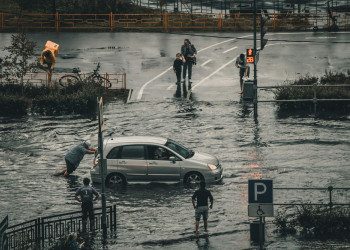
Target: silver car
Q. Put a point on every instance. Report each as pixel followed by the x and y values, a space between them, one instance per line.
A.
pixel 154 159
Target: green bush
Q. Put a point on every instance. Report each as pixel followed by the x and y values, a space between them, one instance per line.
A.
pixel 316 222
pixel 13 104
pixel 290 92
pixel 78 98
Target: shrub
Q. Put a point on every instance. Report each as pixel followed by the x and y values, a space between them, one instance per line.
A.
pixel 13 104
pixel 78 98
pixel 316 222
pixel 290 92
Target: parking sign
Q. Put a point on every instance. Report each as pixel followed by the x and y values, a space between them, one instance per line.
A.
pixel 260 191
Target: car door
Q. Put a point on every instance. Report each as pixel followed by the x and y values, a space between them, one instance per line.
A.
pixel 112 160
pixel 161 168
pixel 132 162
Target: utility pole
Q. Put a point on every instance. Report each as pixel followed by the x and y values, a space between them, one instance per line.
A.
pixel 102 163
pixel 255 87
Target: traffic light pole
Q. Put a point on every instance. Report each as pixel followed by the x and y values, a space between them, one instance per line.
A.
pixel 255 87
pixel 102 164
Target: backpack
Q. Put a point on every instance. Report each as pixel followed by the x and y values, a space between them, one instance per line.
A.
pixel 193 59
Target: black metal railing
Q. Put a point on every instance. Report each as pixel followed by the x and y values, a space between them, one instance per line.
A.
pixel 45 231
pixel 329 204
pixel 314 87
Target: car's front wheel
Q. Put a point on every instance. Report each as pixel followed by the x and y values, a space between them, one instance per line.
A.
pixel 115 180
pixel 193 178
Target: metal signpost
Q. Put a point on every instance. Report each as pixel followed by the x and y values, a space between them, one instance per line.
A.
pixel 3 238
pixel 102 165
pixel 260 199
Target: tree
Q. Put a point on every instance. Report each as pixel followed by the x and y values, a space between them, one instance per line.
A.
pixel 17 63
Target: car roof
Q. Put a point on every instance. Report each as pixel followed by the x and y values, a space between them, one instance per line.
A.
pixel 138 139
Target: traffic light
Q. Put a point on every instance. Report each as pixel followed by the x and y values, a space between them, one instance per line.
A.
pixel 250 55
pixel 263 31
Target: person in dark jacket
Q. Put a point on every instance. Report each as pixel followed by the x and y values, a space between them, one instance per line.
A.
pixel 71 243
pixel 85 195
pixel 188 52
pixel 201 209
pixel 177 69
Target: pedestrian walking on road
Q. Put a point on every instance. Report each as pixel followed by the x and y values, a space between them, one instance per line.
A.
pixel 85 195
pixel 241 63
pixel 201 209
pixel 74 157
pixel 188 52
pixel 177 69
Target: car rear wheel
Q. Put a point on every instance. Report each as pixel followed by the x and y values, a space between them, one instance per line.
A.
pixel 193 178
pixel 115 180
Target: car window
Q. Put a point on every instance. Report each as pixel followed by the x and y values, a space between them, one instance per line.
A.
pixel 181 150
pixel 114 153
pixel 135 152
pixel 158 153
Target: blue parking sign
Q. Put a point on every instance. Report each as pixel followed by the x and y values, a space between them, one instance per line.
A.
pixel 260 191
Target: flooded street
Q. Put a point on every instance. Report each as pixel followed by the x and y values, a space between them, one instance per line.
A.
pixel 292 151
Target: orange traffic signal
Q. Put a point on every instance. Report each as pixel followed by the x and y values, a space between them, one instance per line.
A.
pixel 250 55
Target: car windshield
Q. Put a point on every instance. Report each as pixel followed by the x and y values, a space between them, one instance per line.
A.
pixel 181 150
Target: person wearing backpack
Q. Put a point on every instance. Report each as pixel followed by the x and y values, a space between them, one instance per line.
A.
pixel 188 52
pixel 85 195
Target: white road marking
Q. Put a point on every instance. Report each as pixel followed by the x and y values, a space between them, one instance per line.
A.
pixel 216 71
pixel 229 40
pixel 223 66
pixel 285 43
pixel 206 62
pixel 229 50
pixel 320 37
pixel 171 86
pixel 139 96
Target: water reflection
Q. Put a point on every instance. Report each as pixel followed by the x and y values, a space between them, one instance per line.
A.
pixel 72 181
pixel 203 243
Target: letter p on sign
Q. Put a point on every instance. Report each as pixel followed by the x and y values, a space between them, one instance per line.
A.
pixel 260 191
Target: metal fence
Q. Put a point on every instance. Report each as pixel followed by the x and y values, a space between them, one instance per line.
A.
pixel 329 189
pixel 171 21
pixel 44 232
pixel 315 100
pixel 118 80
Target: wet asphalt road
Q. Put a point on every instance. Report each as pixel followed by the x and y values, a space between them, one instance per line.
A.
pixel 293 152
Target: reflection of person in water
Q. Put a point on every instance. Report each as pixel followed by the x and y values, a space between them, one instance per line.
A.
pixel 161 154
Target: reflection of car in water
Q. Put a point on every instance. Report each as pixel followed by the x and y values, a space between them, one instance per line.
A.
pixel 154 159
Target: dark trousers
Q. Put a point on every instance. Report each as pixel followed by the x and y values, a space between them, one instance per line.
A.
pixel 178 75
pixel 188 65
pixel 88 211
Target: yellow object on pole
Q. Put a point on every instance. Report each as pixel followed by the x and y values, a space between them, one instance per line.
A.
pixel 54 47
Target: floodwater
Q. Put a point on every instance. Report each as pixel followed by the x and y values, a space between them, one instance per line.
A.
pixel 293 151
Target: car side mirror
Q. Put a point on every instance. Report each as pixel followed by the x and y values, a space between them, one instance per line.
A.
pixel 172 158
